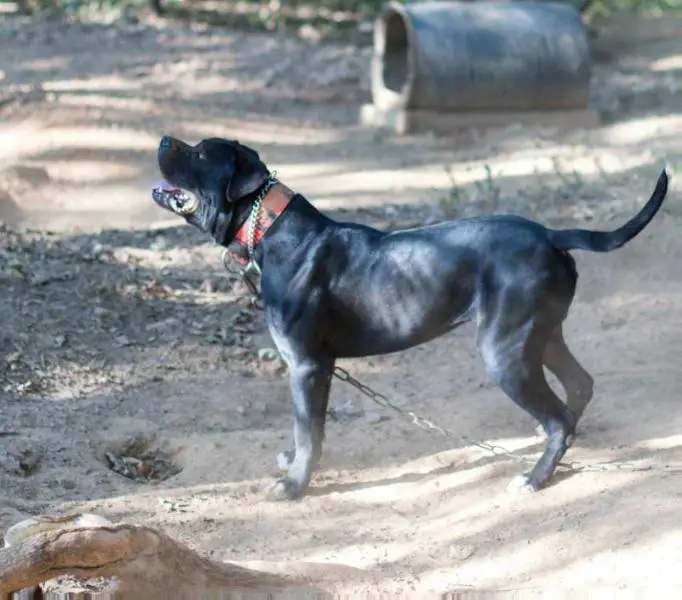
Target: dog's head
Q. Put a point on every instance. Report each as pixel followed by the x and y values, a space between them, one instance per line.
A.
pixel 203 183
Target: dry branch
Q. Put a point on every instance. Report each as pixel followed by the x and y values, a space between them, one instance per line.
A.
pixel 149 565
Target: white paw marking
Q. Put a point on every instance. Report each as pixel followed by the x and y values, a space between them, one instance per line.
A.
pixel 520 485
pixel 283 461
pixel 278 491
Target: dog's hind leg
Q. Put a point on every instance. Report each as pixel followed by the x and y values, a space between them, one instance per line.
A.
pixel 513 357
pixel 575 380
pixel 310 387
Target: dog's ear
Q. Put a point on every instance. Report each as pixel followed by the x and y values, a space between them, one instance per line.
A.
pixel 250 173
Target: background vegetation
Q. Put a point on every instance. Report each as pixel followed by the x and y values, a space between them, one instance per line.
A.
pixel 325 15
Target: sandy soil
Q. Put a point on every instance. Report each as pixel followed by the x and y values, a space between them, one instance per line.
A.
pixel 123 336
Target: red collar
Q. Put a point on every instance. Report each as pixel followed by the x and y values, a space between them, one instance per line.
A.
pixel 274 204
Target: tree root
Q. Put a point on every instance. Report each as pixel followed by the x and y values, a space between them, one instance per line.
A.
pixel 149 565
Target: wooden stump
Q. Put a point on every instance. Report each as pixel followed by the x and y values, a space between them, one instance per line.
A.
pixel 149 565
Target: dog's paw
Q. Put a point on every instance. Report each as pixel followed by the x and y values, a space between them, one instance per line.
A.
pixel 285 488
pixel 285 459
pixel 521 484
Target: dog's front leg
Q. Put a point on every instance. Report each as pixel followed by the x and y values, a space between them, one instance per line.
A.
pixel 310 386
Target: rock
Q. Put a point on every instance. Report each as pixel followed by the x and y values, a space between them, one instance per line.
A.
pixel 461 551
pixel 373 418
pixel 159 243
pixel 122 341
pixel 345 412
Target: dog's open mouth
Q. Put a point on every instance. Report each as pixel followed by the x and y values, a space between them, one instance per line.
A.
pixel 175 199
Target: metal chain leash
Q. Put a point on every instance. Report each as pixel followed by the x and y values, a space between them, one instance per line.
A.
pixel 417 420
pixel 252 265
pixel 253 223
pixel 423 423
pixel 494 449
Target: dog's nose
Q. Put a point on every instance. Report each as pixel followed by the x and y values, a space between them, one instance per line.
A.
pixel 166 142
pixel 167 149
pixel 167 146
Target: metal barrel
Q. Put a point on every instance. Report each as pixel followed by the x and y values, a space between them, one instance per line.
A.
pixel 463 56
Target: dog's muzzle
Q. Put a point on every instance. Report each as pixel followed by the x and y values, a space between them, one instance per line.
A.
pixel 174 199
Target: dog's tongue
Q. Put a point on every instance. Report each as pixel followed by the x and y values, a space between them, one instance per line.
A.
pixel 164 186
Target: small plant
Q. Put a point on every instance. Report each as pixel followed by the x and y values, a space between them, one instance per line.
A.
pixel 450 204
pixel 572 181
pixel 489 191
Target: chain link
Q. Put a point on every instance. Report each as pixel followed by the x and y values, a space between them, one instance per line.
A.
pixel 417 420
pixel 244 274
pixel 494 449
pixel 252 265
pixel 253 223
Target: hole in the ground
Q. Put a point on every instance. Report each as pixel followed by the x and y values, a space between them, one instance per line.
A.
pixel 141 458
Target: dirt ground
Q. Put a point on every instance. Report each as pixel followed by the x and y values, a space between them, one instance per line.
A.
pixel 122 336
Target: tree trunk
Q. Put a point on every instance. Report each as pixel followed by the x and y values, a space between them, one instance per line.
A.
pixel 156 7
pixel 149 565
pixel 24 7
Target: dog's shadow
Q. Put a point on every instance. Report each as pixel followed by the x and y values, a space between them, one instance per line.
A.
pixel 534 450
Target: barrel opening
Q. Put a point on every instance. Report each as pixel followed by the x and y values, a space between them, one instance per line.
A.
pixel 396 66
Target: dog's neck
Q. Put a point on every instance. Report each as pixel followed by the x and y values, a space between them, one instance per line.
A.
pixel 274 203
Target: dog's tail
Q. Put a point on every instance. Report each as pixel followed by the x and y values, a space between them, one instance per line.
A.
pixel 606 241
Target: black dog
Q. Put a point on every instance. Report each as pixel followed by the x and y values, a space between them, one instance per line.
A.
pixel 334 290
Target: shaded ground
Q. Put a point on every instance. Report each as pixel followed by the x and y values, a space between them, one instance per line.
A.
pixel 120 322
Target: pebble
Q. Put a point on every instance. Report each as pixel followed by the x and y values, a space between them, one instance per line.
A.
pixel 373 417
pixel 346 411
pixel 461 551
pixel 159 243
